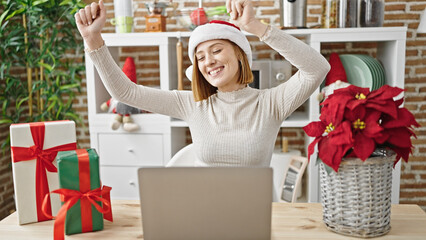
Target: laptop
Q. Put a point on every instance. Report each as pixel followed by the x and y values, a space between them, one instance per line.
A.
pixel 205 203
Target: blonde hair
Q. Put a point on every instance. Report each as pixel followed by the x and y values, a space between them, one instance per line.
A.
pixel 203 89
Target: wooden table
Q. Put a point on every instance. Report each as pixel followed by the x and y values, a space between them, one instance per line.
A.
pixel 289 221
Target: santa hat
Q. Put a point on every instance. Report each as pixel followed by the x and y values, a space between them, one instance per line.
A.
pixel 337 71
pixel 129 69
pixel 217 29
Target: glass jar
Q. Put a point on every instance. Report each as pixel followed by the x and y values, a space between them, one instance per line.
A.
pixel 339 13
pixel 330 13
pixel 371 13
pixel 348 13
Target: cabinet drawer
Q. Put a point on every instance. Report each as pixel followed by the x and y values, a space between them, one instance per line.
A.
pixel 131 149
pixel 123 180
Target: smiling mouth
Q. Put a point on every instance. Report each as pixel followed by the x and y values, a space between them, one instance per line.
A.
pixel 215 72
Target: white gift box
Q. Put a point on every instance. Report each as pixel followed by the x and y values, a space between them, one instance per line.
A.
pixel 50 136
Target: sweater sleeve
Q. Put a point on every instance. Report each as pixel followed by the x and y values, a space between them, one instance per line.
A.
pixel 312 69
pixel 177 104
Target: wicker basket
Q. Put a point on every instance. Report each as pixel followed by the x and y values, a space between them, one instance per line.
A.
pixel 357 200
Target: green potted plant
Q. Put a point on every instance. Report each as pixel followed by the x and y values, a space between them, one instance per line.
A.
pixel 40 71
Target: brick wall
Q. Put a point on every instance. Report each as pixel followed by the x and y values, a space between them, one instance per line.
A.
pixel 7 204
pixel 397 13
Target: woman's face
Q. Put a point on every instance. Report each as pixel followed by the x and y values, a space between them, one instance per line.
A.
pixel 219 65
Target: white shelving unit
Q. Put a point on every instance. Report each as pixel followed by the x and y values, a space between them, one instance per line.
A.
pixel 390 52
pixel 160 137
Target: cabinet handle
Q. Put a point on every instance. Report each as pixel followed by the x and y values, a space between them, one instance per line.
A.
pixel 280 76
pixel 131 183
pixel 130 150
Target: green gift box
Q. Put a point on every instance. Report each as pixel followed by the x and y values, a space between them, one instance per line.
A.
pixel 79 171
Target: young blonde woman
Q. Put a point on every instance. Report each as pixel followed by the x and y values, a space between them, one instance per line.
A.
pixel 231 123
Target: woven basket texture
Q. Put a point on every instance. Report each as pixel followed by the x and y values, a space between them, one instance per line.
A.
pixel 357 200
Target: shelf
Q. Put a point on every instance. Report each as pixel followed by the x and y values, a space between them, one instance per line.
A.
pixel 352 34
pixel 318 34
pixel 148 123
pixel 297 119
pixel 140 39
pixel 178 123
pixel 142 117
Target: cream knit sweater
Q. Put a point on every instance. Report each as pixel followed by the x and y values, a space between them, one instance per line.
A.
pixel 229 128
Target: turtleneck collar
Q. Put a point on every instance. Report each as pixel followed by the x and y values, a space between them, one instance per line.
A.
pixel 234 95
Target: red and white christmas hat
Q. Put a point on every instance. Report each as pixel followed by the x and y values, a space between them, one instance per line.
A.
pixel 217 29
pixel 337 71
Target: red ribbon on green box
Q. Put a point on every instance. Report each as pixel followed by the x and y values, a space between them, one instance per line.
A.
pixel 44 158
pixel 81 194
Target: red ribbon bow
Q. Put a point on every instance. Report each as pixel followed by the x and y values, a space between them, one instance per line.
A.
pixel 71 197
pixel 44 158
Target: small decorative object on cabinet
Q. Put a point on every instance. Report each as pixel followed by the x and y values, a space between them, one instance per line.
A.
pixel 293 13
pixel 123 111
pixel 330 13
pixel 160 137
pixel 156 19
pixel 348 13
pixel 371 13
pixel 291 184
pixel 280 164
pixel 360 135
pixel 339 13
pixel 123 16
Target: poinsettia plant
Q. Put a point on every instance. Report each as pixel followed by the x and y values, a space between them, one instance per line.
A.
pixel 354 121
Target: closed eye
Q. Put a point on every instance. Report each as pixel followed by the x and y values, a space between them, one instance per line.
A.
pixel 217 51
pixel 200 58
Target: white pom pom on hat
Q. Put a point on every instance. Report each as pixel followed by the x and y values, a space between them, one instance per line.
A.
pixel 217 29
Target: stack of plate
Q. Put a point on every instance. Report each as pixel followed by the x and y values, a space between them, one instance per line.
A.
pixel 363 71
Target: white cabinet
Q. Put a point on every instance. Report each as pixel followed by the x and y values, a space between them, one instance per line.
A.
pixel 160 137
pixel 123 181
pixel 134 150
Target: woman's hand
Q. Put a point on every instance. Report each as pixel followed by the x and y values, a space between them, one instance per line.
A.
pixel 242 15
pixel 90 21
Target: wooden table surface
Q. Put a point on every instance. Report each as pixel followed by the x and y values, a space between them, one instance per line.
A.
pixel 289 221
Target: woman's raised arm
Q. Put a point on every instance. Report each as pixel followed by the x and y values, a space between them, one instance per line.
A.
pixel 90 21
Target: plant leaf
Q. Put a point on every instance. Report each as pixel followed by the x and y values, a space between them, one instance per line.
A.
pixel 69 86
pixel 3 121
pixel 14 13
pixel 47 66
pixel 38 2
pixel 18 106
pixel 65 2
pixel 4 14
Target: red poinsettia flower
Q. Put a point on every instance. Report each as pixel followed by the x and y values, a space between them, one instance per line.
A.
pixel 355 121
pixel 336 138
pixel 398 132
pixel 353 97
pixel 365 128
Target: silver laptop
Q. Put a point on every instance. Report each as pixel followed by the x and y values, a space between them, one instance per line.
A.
pixel 206 203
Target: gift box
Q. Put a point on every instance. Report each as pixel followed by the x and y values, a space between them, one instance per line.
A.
pixel 85 203
pixel 34 147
